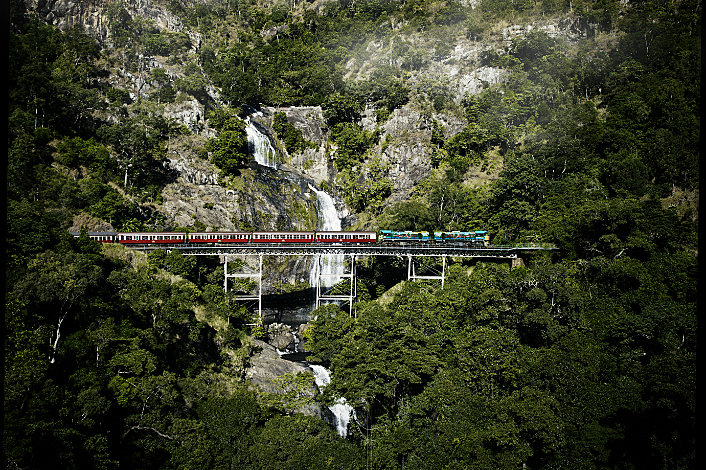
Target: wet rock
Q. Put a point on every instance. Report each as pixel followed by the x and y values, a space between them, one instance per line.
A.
pixel 312 162
pixel 267 371
pixel 281 337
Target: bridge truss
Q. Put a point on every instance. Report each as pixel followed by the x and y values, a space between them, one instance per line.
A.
pixel 352 253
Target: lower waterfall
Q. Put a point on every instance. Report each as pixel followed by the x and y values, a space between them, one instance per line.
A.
pixel 259 144
pixel 331 265
pixel 341 410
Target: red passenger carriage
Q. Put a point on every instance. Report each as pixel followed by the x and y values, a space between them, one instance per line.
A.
pixel 346 237
pixel 220 237
pixel 102 237
pixel 283 237
pixel 151 238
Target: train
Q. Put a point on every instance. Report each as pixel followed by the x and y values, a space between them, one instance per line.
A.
pixel 384 237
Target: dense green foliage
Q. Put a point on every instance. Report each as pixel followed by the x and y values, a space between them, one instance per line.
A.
pixel 582 359
pixel 229 150
pixel 292 137
pixel 553 363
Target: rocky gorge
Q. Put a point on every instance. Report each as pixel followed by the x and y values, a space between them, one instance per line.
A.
pixel 282 195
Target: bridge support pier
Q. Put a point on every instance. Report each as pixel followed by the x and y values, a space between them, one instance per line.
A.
pixel 322 294
pixel 244 274
pixel 412 275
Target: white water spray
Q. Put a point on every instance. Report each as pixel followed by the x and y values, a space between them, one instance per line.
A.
pixel 259 144
pixel 331 265
pixel 341 410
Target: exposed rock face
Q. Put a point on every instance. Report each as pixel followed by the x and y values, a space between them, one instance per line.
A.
pixel 482 77
pixel 191 113
pixel 569 29
pixel 267 365
pixel 90 15
pixel 66 14
pixel 313 162
pixel 281 337
pixel 268 200
pixel 267 369
pixel 263 198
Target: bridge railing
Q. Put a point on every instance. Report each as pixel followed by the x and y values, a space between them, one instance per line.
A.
pixel 371 249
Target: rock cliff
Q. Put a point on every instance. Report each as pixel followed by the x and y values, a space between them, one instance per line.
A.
pixel 269 200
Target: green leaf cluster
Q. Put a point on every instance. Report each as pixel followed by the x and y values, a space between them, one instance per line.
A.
pixel 535 366
pixel 292 137
pixel 229 149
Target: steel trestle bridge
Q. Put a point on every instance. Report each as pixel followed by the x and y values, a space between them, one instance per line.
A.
pixel 351 252
pixel 308 249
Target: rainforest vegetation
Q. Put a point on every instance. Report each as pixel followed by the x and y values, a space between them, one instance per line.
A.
pixel 583 358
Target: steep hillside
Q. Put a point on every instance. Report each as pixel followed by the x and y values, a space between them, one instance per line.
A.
pixel 402 71
pixel 574 122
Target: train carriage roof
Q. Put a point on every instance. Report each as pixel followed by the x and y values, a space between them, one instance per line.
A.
pixel 219 233
pixel 95 234
pixel 151 233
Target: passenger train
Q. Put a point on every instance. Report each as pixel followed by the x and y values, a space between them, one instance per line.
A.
pixel 386 237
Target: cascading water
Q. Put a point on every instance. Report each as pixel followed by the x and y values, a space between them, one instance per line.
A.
pixel 341 410
pixel 259 144
pixel 331 265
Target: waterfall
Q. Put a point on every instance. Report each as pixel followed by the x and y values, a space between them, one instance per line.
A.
pixel 341 410
pixel 327 211
pixel 328 220
pixel 259 144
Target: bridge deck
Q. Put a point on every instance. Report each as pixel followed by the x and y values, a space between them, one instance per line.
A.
pixel 495 251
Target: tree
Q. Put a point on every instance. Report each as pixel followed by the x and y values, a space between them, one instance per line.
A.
pixel 229 150
pixel 340 108
pixel 58 285
pixel 309 442
pixel 138 143
pixel 411 215
pixel 292 137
